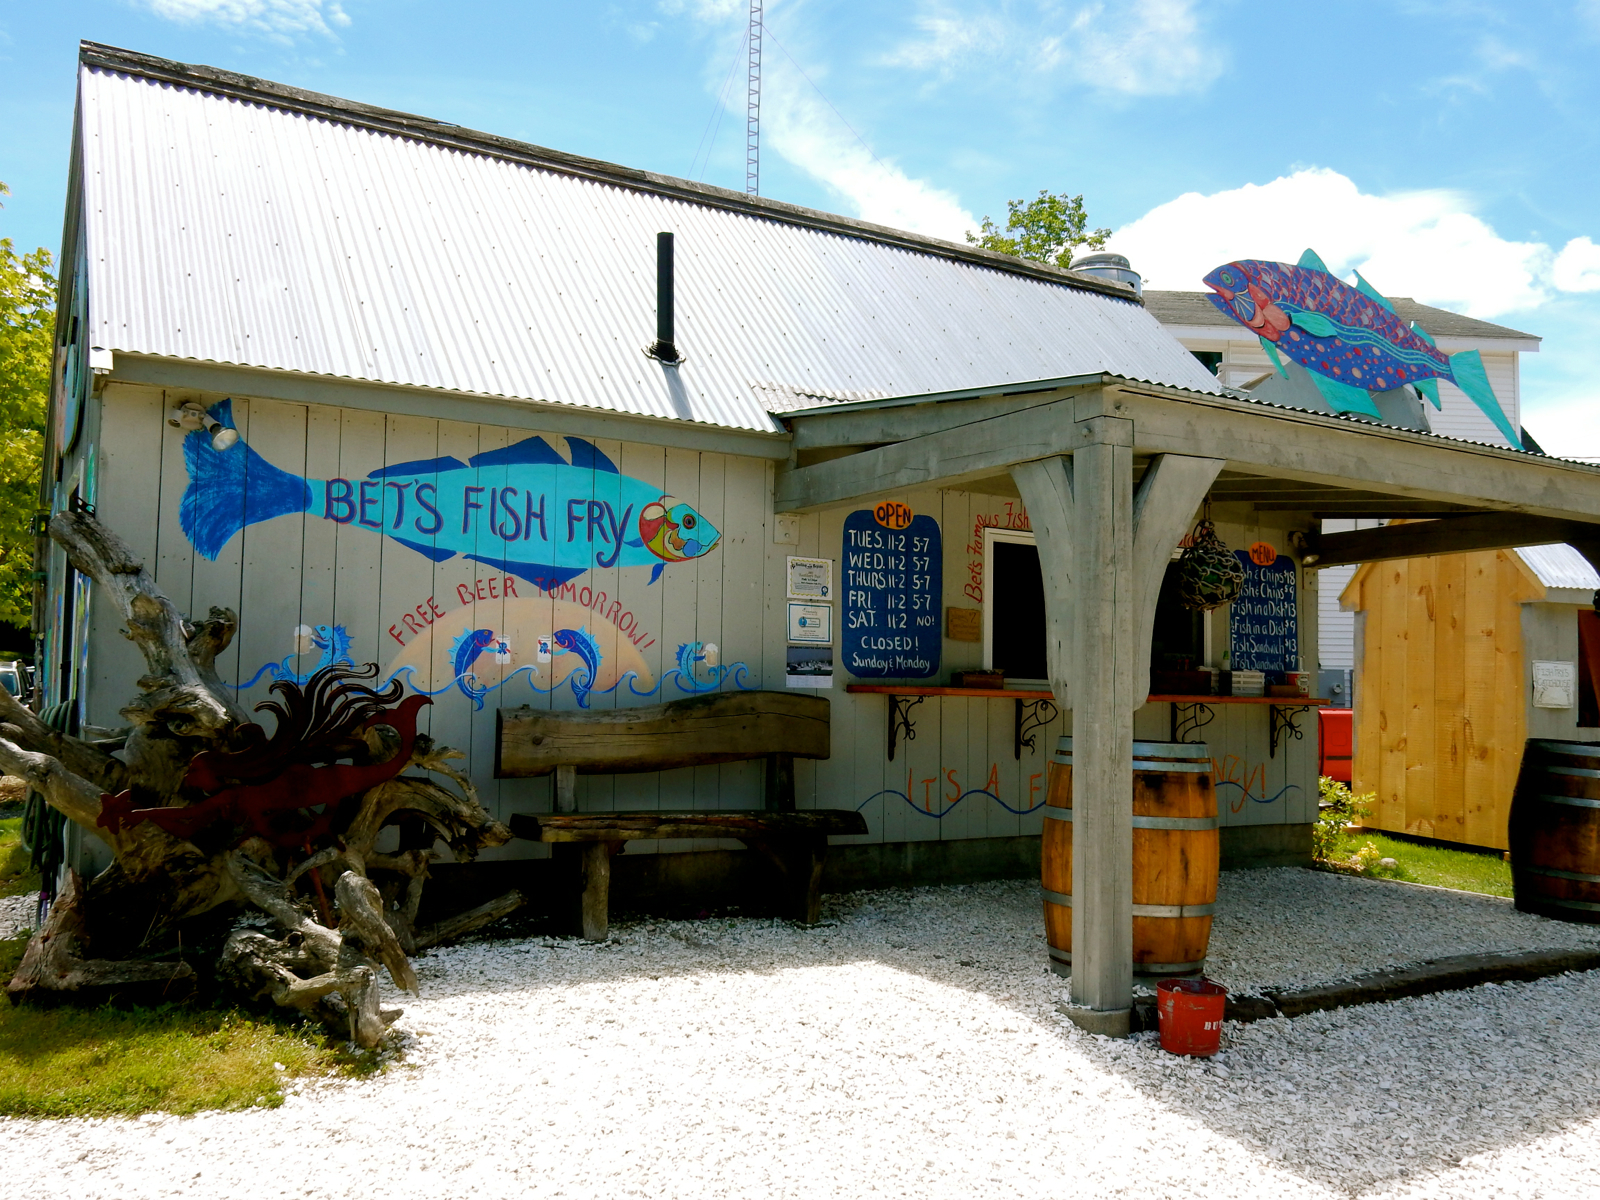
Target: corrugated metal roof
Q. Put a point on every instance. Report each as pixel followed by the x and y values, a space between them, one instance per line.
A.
pixel 1560 567
pixel 1195 308
pixel 227 226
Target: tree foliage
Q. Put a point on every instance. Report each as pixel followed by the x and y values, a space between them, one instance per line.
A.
pixel 1046 230
pixel 27 320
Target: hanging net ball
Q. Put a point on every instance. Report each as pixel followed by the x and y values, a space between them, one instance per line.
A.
pixel 1209 575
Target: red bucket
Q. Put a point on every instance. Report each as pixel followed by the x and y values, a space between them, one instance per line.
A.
pixel 1190 1012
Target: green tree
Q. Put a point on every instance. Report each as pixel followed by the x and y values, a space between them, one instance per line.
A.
pixel 1046 230
pixel 27 322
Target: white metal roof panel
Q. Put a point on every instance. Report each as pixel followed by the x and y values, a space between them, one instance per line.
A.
pixel 235 230
pixel 1560 566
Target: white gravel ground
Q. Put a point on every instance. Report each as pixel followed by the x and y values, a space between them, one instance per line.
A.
pixel 910 1047
pixel 17 913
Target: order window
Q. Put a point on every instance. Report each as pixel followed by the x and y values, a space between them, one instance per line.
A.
pixel 1013 608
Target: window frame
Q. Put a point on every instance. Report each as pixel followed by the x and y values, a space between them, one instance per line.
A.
pixel 991 535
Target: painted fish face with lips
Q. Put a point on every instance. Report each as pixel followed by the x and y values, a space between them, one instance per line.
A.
pixel 675 532
pixel 1250 305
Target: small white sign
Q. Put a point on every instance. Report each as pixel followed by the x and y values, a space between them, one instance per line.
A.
pixel 1555 685
pixel 810 578
pixel 811 623
pixel 543 647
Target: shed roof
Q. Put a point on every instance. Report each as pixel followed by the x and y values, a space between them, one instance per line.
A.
pixel 232 220
pixel 1195 308
pixel 1560 566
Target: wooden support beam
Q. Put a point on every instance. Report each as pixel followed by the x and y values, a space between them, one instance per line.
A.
pixel 1171 491
pixel 1273 443
pixel 1046 488
pixel 1449 535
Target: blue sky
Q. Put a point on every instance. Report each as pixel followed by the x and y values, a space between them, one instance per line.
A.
pixel 1450 149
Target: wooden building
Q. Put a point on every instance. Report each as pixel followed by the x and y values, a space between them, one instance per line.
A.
pixel 1463 657
pixel 431 415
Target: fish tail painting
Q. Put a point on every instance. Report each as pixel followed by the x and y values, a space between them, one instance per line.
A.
pixel 522 509
pixel 465 651
pixel 580 642
pixel 229 489
pixel 693 658
pixel 1348 338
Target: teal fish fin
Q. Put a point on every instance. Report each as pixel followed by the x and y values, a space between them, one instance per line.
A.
pixel 1466 369
pixel 1312 261
pixel 1424 335
pixel 534 451
pixel 1314 323
pixel 1272 353
pixel 423 466
pixel 588 455
pixel 1430 389
pixel 655 573
pixel 1372 293
pixel 1344 397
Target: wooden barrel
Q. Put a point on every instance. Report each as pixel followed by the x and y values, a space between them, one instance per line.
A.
pixel 1555 831
pixel 1175 858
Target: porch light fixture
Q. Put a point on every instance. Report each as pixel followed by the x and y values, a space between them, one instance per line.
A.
pixel 191 415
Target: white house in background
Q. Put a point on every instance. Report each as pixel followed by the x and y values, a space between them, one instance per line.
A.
pixel 1236 357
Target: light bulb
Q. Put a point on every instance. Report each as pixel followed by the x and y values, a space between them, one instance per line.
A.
pixel 224 438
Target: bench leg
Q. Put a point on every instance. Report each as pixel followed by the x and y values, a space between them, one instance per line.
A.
pixel 798 861
pixel 594 912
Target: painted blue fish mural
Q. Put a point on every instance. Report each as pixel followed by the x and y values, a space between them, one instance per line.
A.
pixel 522 509
pixel 466 650
pixel 332 642
pixel 1349 338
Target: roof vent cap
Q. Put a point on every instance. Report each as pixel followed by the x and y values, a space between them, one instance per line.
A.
pixel 1112 267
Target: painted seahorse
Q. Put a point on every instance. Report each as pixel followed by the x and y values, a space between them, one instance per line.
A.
pixel 581 643
pixel 332 640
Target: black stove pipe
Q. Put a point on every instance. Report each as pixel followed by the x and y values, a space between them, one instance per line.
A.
pixel 665 347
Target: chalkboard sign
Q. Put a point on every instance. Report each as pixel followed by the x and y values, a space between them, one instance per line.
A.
pixel 893 583
pixel 1263 630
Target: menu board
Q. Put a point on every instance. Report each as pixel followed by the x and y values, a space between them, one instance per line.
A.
pixel 893 581
pixel 1263 629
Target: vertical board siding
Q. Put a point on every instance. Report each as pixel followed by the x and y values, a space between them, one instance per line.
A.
pixel 1441 719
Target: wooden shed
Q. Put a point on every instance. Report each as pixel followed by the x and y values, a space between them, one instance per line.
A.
pixel 1462 658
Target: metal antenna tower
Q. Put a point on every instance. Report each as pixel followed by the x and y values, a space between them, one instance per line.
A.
pixel 752 113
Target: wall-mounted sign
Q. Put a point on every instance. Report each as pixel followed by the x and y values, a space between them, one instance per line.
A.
pixel 964 624
pixel 809 667
pixel 810 578
pixel 893 584
pixel 1263 554
pixel 1263 626
pixel 811 623
pixel 1555 685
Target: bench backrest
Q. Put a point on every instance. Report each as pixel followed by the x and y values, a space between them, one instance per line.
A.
pixel 724 727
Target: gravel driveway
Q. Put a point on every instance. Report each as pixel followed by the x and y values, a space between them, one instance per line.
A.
pixel 910 1047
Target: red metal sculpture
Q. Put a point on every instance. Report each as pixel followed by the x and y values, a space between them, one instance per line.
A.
pixel 272 787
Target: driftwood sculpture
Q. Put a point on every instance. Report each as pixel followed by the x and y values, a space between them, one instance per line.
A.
pixel 209 815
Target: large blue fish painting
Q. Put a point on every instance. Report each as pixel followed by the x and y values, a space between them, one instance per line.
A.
pixel 1349 338
pixel 522 509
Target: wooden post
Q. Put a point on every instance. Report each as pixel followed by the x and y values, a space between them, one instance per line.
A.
pixel 1102 554
pixel 595 914
pixel 780 783
pixel 566 784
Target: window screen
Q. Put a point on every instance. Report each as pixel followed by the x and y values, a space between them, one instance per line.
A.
pixel 1016 591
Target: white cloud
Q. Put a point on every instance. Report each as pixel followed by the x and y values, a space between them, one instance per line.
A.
pixel 1577 267
pixel 1425 244
pixel 799 126
pixel 1126 47
pixel 281 18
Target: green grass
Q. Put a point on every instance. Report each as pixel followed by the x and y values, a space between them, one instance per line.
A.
pixel 16 876
pixel 1462 870
pixel 110 1061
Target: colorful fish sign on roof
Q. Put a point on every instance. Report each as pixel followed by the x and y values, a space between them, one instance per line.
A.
pixel 1349 338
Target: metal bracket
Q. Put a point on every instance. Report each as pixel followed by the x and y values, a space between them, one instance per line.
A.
pixel 1283 719
pixel 1032 716
pixel 1190 718
pixel 900 722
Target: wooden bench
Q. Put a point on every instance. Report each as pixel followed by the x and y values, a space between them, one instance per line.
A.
pixel 724 727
